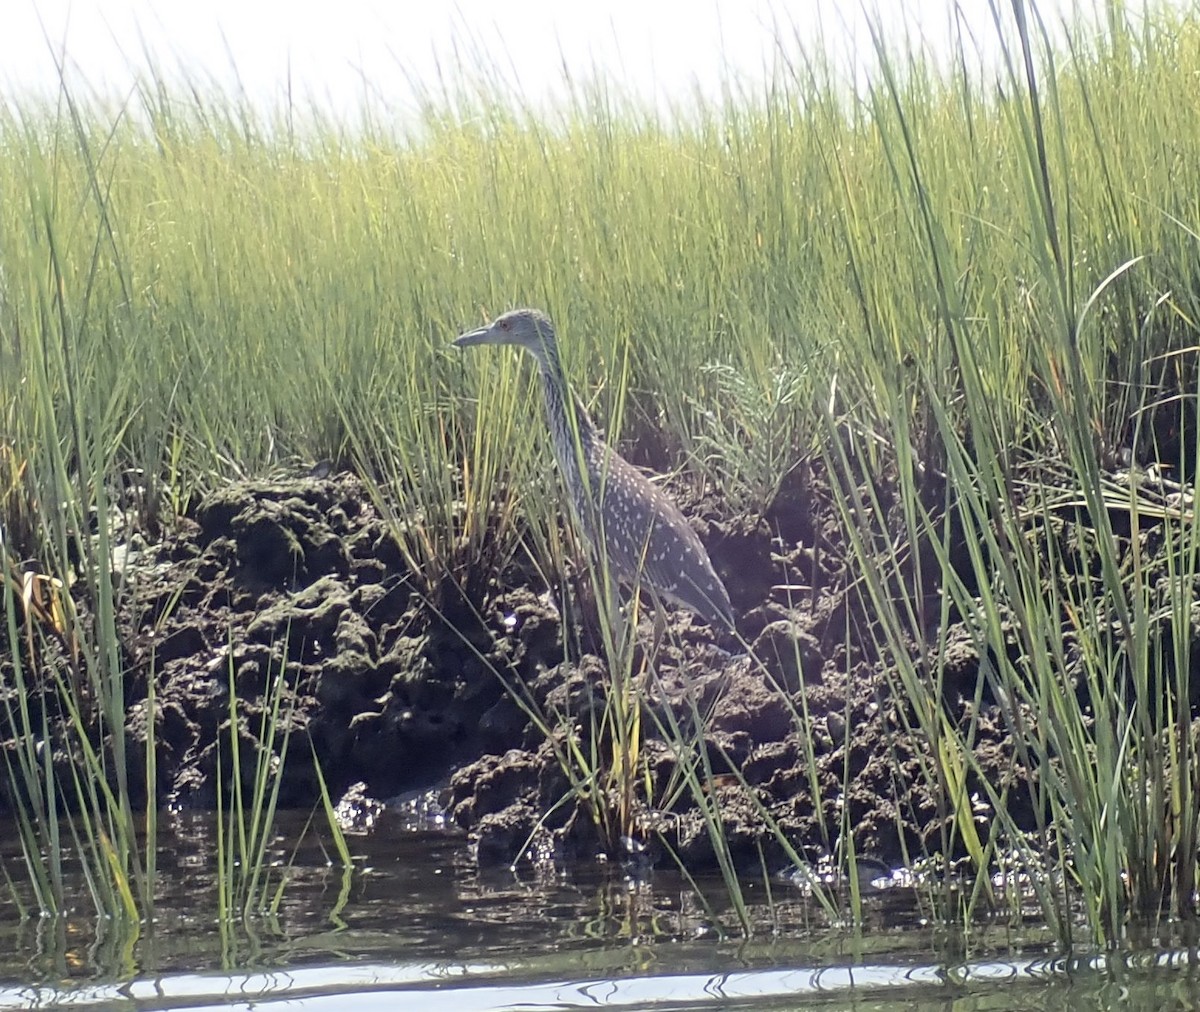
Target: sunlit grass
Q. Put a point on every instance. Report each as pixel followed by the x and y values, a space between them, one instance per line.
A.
pixel 933 284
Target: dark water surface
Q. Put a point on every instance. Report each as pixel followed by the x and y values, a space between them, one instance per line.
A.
pixel 417 926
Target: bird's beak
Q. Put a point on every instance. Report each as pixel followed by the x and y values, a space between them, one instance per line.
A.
pixel 484 335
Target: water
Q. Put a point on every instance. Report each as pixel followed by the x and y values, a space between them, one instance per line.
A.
pixel 417 926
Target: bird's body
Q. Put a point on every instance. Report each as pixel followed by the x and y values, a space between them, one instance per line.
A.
pixel 628 520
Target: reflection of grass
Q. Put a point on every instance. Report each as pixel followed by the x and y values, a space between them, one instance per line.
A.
pixel 189 291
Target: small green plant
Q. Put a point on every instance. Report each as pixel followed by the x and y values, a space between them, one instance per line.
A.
pixel 758 432
pixel 247 797
pixel 251 881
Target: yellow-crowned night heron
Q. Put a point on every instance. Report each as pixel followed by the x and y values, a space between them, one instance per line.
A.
pixel 645 538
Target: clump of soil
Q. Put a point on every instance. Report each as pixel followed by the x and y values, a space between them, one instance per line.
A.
pixel 289 603
pixel 302 580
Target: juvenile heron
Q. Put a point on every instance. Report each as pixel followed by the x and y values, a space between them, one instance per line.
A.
pixel 639 529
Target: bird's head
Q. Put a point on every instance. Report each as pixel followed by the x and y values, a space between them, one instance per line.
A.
pixel 530 329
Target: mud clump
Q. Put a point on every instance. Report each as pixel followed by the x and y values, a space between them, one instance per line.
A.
pixel 290 601
pixel 289 606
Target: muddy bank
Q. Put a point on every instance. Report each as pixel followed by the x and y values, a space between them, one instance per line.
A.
pixel 290 602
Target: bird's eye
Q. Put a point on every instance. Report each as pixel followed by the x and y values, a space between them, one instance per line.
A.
pixel 504 324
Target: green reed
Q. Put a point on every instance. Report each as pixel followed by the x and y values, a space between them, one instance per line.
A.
pixel 975 284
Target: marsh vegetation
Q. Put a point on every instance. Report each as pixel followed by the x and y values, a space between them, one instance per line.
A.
pixel 930 348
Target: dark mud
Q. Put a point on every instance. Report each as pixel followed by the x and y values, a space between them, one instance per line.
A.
pixel 289 604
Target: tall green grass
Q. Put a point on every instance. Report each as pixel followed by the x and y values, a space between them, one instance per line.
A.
pixel 81 773
pixel 935 281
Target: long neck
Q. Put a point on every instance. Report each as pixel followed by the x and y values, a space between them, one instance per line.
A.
pixel 574 435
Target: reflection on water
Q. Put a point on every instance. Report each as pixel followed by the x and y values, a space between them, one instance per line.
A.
pixel 417 926
pixel 1167 980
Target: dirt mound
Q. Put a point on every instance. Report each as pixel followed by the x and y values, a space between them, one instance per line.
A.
pixel 292 599
pixel 289 604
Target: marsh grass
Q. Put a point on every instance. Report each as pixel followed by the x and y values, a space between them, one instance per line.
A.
pixel 81 781
pixel 252 755
pixel 976 288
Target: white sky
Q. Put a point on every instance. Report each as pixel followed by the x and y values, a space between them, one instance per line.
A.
pixel 340 50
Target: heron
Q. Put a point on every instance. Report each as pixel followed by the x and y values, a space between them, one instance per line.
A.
pixel 638 529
